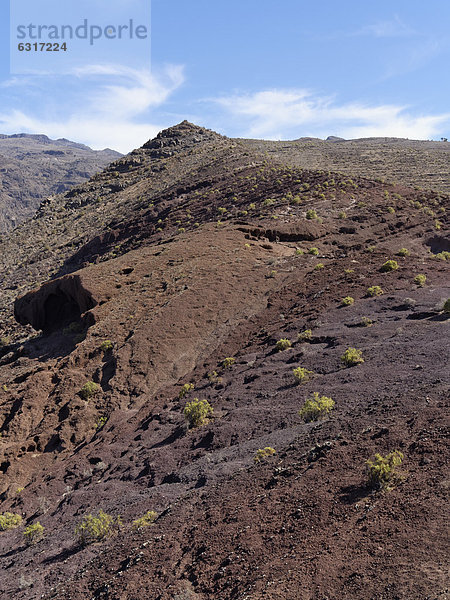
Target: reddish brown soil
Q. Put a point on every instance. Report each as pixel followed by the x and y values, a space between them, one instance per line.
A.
pixel 302 525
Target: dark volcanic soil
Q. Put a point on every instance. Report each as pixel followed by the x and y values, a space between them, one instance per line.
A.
pixel 195 257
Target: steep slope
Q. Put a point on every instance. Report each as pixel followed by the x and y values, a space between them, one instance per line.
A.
pixel 188 251
pixel 33 167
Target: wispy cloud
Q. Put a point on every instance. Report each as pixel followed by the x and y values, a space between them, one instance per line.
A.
pixel 288 114
pixel 111 106
pixel 390 28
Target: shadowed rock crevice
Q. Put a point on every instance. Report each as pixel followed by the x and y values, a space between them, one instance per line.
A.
pixel 54 305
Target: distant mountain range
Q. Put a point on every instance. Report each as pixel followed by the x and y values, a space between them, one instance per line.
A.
pixel 33 167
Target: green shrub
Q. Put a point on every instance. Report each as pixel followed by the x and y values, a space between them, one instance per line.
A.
pixel 311 214
pixel 263 453
pixel 106 346
pixel 371 249
pixel 347 301
pixel 283 344
pixel 197 412
pixel 420 280
pixel 342 214
pixel 314 251
pixel 302 375
pixel 10 521
pixel 268 202
pixel 89 389
pixel 228 362
pixel 366 322
pixel 96 528
pixel 403 252
pixel 444 255
pixel 446 307
pixel 374 290
pixel 187 387
pixel 145 520
pixel 305 335
pixel 389 265
pixel 101 423
pixel 315 408
pixel 33 533
pixel 381 470
pixel 391 210
pixel 319 266
pixel 352 357
pixel 299 252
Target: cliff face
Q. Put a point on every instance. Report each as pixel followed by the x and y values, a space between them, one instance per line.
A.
pixel 186 262
pixel 33 167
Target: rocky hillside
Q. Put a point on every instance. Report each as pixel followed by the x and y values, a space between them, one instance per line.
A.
pixel 198 267
pixel 33 167
pixel 417 163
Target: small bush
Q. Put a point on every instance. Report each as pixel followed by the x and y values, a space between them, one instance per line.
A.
pixel 101 423
pixel 106 346
pixel 391 210
pixel 187 387
pixel 420 280
pixel 381 470
pixel 10 521
pixel 444 255
pixel 33 533
pixel 319 266
pixel 299 252
pixel 366 322
pixel 96 528
pixel 145 520
pixel 347 301
pixel 446 307
pixel 197 412
pixel 315 408
pixel 89 389
pixel 342 214
pixel 4 341
pixel 314 251
pixel 305 335
pixel 403 252
pixel 263 453
pixel 302 375
pixel 228 362
pixel 374 290
pixel 352 357
pixel 283 344
pixel 389 265
pixel 311 214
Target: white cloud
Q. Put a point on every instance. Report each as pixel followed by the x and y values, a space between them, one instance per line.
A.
pixel 394 27
pixel 289 114
pixel 109 109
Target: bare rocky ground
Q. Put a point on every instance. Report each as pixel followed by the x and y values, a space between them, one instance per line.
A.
pixel 33 167
pixel 188 256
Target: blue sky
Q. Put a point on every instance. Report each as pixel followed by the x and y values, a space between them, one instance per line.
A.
pixel 247 68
